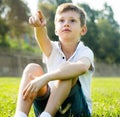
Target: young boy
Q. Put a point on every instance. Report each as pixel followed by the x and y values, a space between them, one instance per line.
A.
pixel 64 91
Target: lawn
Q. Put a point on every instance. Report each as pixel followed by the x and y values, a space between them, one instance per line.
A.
pixel 105 97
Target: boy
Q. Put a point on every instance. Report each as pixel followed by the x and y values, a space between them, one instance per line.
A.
pixel 65 90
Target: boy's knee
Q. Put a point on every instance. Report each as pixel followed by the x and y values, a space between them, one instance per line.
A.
pixel 34 69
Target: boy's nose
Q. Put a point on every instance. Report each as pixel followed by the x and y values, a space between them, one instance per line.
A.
pixel 66 25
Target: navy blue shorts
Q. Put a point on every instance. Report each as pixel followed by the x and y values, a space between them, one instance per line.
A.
pixel 74 106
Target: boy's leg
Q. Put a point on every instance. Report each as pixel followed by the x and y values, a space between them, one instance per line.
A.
pixel 58 95
pixel 77 104
pixel 39 103
pixel 51 102
pixel 25 105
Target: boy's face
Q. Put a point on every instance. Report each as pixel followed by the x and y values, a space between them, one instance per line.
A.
pixel 67 25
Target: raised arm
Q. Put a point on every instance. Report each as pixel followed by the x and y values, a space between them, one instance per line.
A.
pixel 39 23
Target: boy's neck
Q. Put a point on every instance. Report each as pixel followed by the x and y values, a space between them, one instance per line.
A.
pixel 68 48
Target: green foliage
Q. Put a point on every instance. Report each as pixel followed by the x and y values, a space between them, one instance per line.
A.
pixel 4 42
pixel 3 28
pixel 3 31
pixel 103 35
pixel 62 1
pixel 15 14
pixel 54 2
pixel 13 22
pixel 105 96
pixel 20 45
pixel 109 44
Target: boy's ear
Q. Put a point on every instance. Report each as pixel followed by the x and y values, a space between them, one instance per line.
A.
pixel 83 30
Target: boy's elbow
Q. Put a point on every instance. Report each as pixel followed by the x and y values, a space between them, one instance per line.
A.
pixel 84 69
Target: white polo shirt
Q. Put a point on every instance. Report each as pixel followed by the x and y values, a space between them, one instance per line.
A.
pixel 57 57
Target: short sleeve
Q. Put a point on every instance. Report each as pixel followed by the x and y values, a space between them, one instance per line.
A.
pixel 52 55
pixel 88 53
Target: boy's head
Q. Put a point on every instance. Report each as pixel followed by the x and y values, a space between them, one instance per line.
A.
pixel 70 7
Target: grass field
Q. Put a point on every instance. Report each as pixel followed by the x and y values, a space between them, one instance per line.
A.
pixel 105 97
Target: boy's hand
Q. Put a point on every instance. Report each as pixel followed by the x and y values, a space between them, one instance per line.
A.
pixel 37 20
pixel 32 88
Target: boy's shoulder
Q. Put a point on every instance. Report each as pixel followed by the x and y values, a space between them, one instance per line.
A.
pixel 82 46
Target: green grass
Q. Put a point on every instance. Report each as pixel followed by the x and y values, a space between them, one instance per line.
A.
pixel 105 96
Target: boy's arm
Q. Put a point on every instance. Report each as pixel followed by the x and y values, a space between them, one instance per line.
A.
pixel 66 71
pixel 70 70
pixel 39 23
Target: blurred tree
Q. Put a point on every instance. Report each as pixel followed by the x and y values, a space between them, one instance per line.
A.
pixel 109 35
pixel 109 40
pixel 3 31
pixel 103 35
pixel 107 13
pixel 1 7
pixel 90 39
pixel 13 19
pixel 54 2
pixel 15 13
pixel 3 27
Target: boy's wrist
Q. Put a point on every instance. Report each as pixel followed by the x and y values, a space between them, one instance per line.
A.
pixel 40 27
pixel 41 30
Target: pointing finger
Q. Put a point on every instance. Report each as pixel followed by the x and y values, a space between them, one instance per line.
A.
pixel 40 15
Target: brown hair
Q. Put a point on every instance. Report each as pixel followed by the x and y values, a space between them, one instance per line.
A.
pixel 70 7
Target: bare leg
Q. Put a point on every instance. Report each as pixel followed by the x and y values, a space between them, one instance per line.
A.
pixel 25 105
pixel 58 95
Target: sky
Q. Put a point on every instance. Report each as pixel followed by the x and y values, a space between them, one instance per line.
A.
pixel 95 4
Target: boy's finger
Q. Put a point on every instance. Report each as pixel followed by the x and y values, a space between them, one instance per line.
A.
pixel 31 20
pixel 42 18
pixel 43 22
pixel 26 91
pixel 34 21
pixel 40 15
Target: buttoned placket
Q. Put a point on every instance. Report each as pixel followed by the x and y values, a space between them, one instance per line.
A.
pixel 64 57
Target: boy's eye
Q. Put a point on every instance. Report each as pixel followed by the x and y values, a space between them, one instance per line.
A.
pixel 61 20
pixel 72 20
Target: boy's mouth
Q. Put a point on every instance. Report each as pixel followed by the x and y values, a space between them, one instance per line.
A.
pixel 66 30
